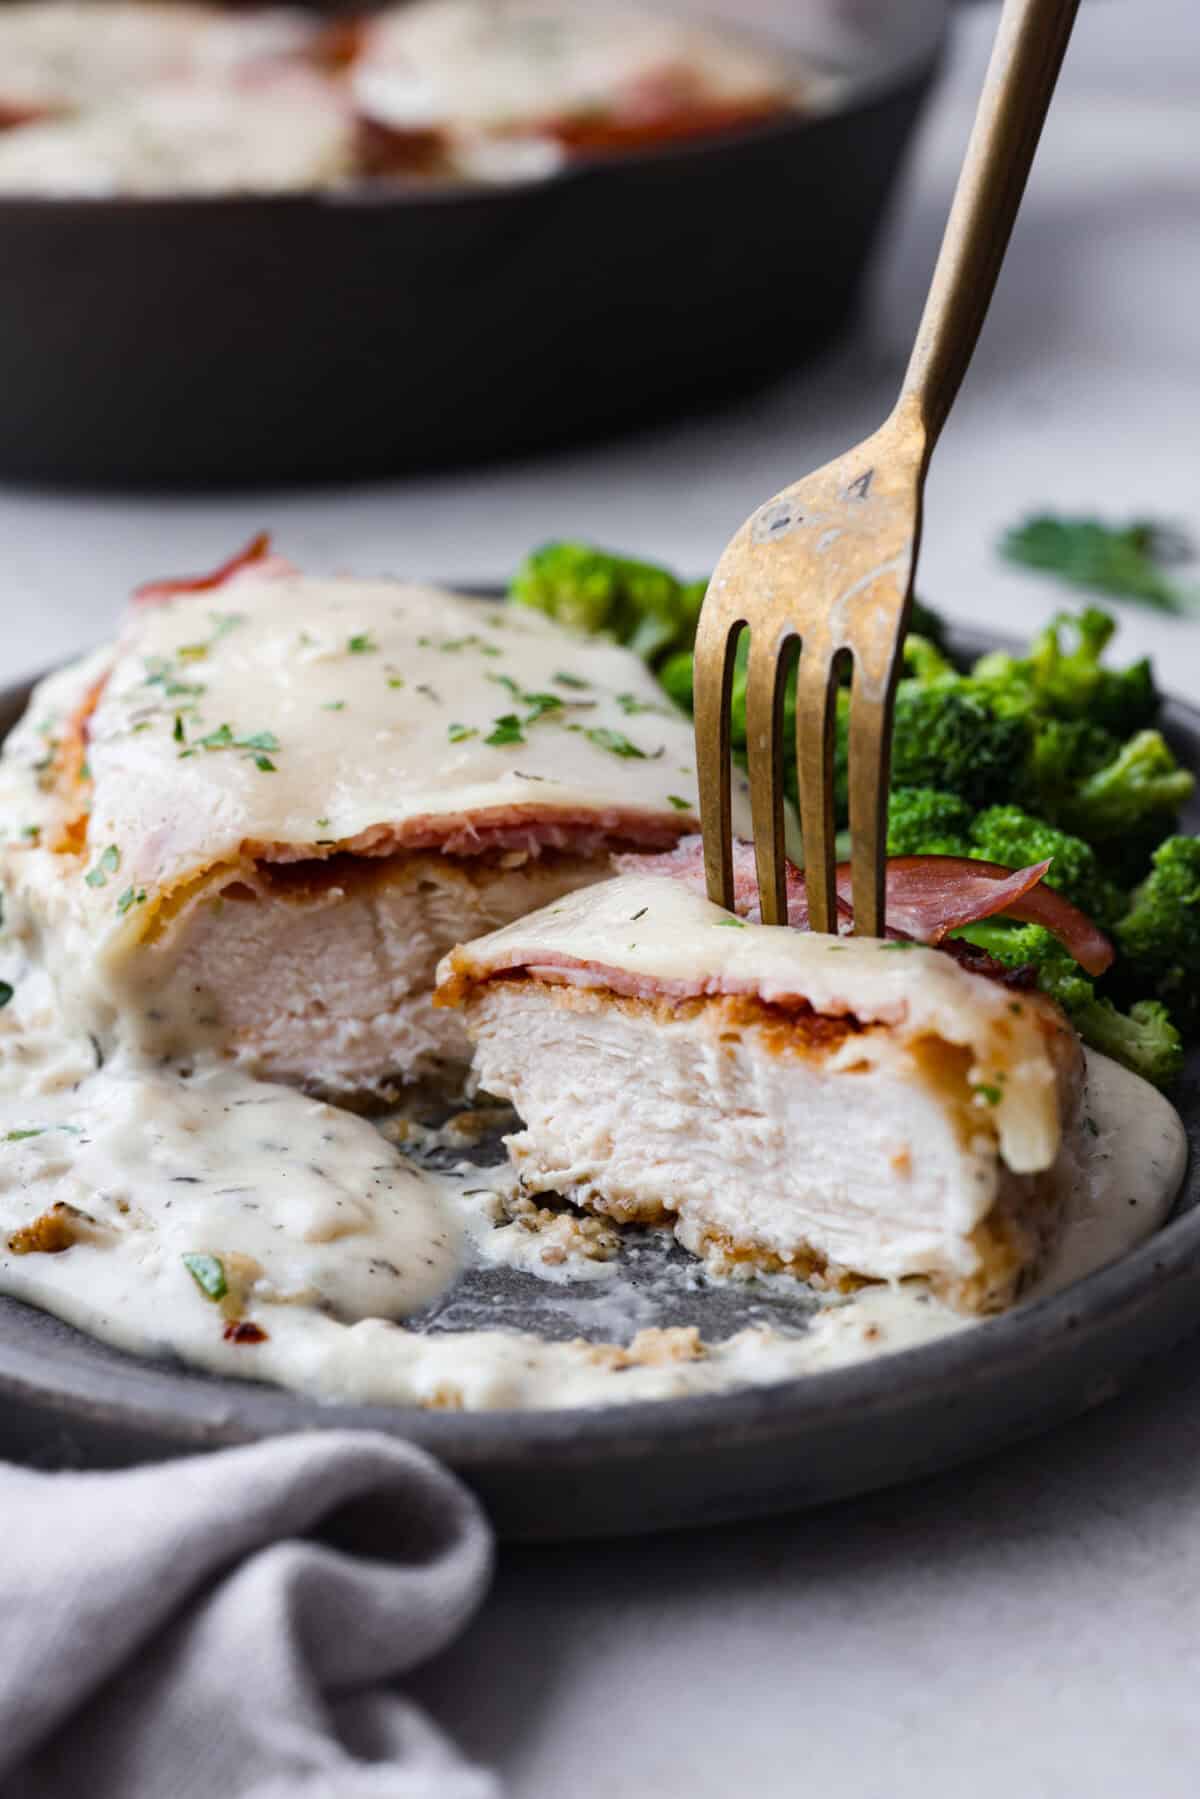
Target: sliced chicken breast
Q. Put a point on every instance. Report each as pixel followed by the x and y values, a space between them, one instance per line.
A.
pixel 842 1108
pixel 268 810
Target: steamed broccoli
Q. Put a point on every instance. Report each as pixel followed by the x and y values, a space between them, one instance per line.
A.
pixel 638 603
pixel 1060 681
pixel 1160 934
pixel 949 734
pixel 1144 1038
pixel 1139 793
pixel 922 821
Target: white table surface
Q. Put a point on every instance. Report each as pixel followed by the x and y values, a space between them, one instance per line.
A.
pixel 1029 1626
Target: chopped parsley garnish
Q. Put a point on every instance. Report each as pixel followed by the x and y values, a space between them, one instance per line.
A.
pixel 680 805
pixel 1127 560
pixel 631 705
pixel 395 681
pixel 734 924
pixel 540 704
pixel 472 642
pixel 614 742
pixel 506 729
pixel 567 680
pixel 255 746
pixel 322 824
pixel 208 1272
pixel 107 863
pixel 361 645
pixel 900 943
pixel 177 732
pixel 131 897
pixel 36 1130
pixel 460 733
pixel 31 833
pixel 506 681
pixel 6 993
pixel 333 706
pixel 991 1096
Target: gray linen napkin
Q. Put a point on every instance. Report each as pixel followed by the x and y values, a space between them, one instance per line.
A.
pixel 230 1624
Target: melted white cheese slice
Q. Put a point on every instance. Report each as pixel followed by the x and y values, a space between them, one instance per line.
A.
pixel 650 934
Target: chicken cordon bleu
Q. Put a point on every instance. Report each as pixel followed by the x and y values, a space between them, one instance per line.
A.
pixel 836 1106
pixel 258 820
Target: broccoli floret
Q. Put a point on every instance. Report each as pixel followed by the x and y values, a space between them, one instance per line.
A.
pixel 1160 934
pixel 925 822
pixel 1067 682
pixel 924 660
pixel 1138 793
pixel 638 603
pixel 1144 1038
pixel 1062 754
pixel 949 735
pixel 1008 835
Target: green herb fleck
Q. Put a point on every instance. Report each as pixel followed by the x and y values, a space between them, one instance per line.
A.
pixel 131 897
pixel 1127 560
pixel 36 1130
pixel 631 705
pixel 6 993
pixel 506 681
pixel 567 680
pixel 506 729
pixel 106 864
pixel 361 645
pixel 322 824
pixel 208 1272
pixel 613 741
pixel 177 733
pixel 731 924
pixel 540 704
pixel 680 805
pixel 395 681
pixel 333 706
pixel 266 765
pixel 991 1096
pixel 460 733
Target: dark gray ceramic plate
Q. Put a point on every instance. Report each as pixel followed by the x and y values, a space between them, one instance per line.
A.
pixel 65 1400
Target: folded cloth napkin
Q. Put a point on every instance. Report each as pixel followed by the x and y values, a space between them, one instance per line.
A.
pixel 231 1624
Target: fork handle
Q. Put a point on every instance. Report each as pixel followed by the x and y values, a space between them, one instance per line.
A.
pixel 1027 55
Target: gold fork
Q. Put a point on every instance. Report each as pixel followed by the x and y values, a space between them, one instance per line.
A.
pixel 829 562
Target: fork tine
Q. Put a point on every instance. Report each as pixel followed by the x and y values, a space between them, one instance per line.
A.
pixel 766 680
pixel 716 644
pixel 815 691
pixel 871 707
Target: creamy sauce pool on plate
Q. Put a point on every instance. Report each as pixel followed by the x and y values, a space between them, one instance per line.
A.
pixel 188 1208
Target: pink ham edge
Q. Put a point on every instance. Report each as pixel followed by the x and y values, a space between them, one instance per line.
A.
pixel 256 554
pixel 927 896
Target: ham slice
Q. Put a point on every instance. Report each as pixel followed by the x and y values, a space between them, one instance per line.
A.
pixel 256 554
pixel 928 897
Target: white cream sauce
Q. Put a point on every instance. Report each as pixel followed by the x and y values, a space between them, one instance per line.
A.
pixel 323 1237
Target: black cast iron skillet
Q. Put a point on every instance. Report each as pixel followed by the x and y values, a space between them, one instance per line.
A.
pixel 241 339
pixel 66 1400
